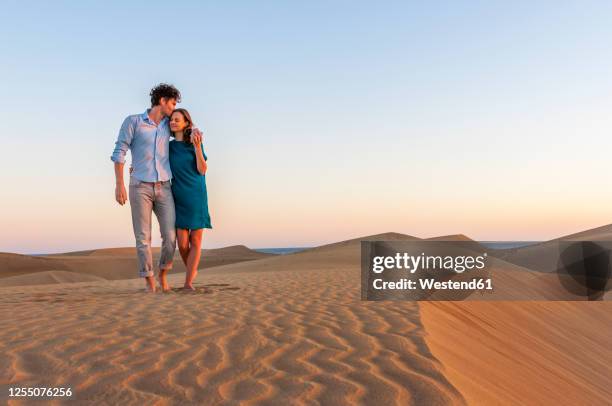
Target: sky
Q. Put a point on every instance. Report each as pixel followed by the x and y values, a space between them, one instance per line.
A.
pixel 322 120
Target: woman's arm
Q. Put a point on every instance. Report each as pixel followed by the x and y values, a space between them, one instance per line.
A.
pixel 196 140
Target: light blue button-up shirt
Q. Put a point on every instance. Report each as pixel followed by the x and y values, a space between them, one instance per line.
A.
pixel 149 144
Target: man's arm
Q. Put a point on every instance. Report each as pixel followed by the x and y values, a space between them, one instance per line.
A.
pixel 124 140
pixel 120 193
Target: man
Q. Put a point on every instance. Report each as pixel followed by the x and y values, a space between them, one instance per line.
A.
pixel 147 135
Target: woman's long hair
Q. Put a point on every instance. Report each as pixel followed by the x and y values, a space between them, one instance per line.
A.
pixel 187 130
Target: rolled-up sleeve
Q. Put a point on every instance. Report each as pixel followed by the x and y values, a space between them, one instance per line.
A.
pixel 124 140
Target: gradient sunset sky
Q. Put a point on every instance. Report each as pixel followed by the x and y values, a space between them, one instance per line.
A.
pixel 323 120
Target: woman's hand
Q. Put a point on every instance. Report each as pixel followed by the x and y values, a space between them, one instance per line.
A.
pixel 196 138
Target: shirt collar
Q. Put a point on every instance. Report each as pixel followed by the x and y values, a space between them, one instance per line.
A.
pixel 145 117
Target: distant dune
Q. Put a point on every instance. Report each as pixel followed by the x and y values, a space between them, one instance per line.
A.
pixel 48 277
pixel 451 237
pixel 16 264
pixel 339 255
pixel 230 251
pixel 114 263
pixel 291 329
pixel 356 242
pixel 543 256
pixel 603 233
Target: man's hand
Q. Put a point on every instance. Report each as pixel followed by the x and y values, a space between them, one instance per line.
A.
pixel 196 138
pixel 120 194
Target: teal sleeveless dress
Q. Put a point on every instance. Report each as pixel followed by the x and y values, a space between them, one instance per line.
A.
pixel 188 187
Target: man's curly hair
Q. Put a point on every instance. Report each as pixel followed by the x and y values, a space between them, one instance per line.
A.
pixel 164 90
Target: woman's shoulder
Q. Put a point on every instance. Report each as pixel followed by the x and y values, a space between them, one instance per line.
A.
pixel 174 146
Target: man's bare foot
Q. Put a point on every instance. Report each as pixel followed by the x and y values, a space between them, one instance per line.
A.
pixel 188 287
pixel 150 287
pixel 162 280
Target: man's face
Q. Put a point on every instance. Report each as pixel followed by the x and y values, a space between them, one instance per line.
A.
pixel 167 106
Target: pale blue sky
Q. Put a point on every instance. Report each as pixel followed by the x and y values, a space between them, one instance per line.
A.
pixel 322 120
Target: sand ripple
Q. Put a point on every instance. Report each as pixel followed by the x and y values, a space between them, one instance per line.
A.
pixel 259 338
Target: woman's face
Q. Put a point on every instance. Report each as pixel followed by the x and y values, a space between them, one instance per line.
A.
pixel 177 122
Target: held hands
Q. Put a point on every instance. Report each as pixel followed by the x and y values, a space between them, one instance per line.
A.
pixel 196 138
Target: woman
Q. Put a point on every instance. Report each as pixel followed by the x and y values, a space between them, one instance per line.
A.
pixel 188 166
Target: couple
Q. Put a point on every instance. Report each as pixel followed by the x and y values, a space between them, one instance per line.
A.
pixel 181 206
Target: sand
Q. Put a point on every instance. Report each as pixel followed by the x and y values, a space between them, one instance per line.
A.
pixel 519 353
pixel 292 329
pixel 259 338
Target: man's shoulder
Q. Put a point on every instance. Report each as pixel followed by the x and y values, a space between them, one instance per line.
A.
pixel 132 122
pixel 133 117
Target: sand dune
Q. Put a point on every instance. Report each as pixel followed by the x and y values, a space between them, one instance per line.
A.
pixel 451 237
pixel 340 255
pixel 16 264
pixel 543 256
pixel 603 233
pixel 113 263
pixel 292 329
pixel 230 251
pixel 356 242
pixel 48 277
pixel 520 353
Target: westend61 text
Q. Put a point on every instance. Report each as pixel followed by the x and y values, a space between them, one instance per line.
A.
pixel 432 284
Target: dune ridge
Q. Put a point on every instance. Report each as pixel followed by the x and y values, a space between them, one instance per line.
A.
pixel 510 353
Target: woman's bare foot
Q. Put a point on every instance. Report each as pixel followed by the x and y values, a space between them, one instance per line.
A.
pixel 150 288
pixel 162 280
pixel 188 287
